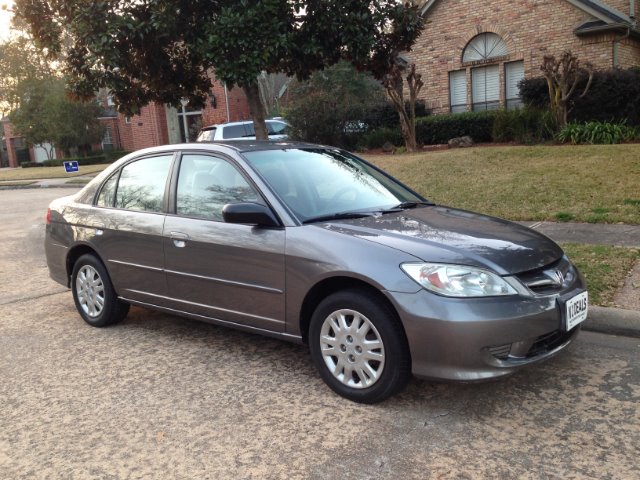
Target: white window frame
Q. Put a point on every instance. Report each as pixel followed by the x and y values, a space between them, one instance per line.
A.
pixel 512 97
pixel 458 91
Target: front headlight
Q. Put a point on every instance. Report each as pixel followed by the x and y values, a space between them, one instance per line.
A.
pixel 458 280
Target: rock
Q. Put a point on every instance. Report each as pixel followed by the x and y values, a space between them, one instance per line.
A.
pixel 388 147
pixel 461 142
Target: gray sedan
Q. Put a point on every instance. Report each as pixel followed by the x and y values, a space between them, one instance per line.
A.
pixel 313 244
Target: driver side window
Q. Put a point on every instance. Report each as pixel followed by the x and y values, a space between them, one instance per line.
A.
pixel 206 184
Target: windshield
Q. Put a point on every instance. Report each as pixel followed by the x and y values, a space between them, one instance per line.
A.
pixel 318 183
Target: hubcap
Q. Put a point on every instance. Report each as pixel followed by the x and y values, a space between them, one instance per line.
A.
pixel 352 348
pixel 90 291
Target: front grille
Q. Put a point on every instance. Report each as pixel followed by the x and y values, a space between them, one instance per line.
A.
pixel 501 352
pixel 547 342
pixel 530 348
pixel 550 279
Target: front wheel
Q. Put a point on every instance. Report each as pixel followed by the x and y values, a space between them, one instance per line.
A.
pixel 359 346
pixel 93 293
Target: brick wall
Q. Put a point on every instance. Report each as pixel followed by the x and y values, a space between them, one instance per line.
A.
pixel 629 53
pixel 9 136
pixel 238 106
pixel 148 129
pixel 623 6
pixel 159 125
pixel 530 28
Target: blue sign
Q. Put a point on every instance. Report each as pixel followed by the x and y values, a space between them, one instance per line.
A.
pixel 71 167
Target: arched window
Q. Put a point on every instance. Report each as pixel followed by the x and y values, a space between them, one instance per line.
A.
pixel 485 47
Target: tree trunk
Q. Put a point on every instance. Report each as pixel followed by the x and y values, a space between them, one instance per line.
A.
pixel 256 107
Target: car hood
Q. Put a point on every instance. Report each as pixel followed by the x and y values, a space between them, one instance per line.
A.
pixel 447 235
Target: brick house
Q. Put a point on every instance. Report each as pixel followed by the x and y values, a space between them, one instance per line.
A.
pixel 473 53
pixel 156 124
pixel 161 124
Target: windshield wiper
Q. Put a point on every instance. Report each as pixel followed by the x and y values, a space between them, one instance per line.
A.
pixel 338 216
pixel 407 206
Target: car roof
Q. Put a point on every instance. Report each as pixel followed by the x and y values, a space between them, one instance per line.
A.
pixel 243 122
pixel 238 146
pixel 254 145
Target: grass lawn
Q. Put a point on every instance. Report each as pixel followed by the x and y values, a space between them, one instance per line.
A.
pixel 36 173
pixel 603 267
pixel 597 184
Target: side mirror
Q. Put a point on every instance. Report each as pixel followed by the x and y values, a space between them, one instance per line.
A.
pixel 249 214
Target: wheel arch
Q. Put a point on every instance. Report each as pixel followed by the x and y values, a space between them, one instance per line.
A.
pixel 328 286
pixel 75 253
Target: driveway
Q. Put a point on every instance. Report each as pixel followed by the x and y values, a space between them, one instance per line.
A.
pixel 163 397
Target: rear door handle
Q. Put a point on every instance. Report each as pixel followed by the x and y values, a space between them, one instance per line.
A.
pixel 179 239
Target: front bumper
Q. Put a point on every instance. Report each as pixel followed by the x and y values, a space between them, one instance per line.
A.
pixel 481 338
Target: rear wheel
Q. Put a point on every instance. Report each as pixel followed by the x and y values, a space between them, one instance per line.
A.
pixel 359 346
pixel 94 295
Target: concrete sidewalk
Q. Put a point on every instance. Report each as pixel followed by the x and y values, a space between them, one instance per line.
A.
pixel 64 182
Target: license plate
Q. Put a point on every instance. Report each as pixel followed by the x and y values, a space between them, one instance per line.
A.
pixel 576 310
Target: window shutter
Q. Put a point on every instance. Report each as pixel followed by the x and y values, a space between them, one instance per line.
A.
pixel 458 91
pixel 485 85
pixel 513 73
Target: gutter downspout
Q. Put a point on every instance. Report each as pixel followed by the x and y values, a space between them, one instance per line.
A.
pixel 226 101
pixel 616 47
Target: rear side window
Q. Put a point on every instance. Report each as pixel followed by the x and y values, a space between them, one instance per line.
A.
pixel 142 184
pixel 108 193
pixel 235 131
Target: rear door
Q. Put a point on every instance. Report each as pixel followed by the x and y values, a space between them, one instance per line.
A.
pixel 128 220
pixel 224 271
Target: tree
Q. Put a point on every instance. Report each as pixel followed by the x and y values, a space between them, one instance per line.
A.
pixel 47 115
pixel 330 107
pixel 563 76
pixel 19 61
pixel 394 85
pixel 165 50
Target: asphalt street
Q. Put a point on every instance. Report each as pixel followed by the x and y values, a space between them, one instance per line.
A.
pixel 164 397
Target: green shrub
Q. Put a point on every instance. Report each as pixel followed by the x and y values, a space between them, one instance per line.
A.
pixel 378 137
pixel 30 164
pixel 524 125
pixel 439 129
pixel 113 155
pixel 600 133
pixel 385 115
pixel 614 96
pixel 331 106
pixel 93 160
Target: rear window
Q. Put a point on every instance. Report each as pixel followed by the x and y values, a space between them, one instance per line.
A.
pixel 207 135
pixel 276 128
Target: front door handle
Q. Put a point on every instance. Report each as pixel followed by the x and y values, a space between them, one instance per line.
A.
pixel 179 239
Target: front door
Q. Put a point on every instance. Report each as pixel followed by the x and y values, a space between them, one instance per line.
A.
pixel 224 271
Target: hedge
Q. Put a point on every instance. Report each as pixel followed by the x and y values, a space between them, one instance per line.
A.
pixel 524 125
pixel 106 157
pixel 385 115
pixel 614 96
pixel 440 129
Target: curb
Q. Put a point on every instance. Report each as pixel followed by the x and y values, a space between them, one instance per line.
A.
pixel 34 186
pixel 613 321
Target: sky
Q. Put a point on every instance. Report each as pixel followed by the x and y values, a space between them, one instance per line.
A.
pixel 5 17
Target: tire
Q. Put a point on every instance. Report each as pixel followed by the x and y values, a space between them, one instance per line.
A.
pixel 93 293
pixel 371 361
